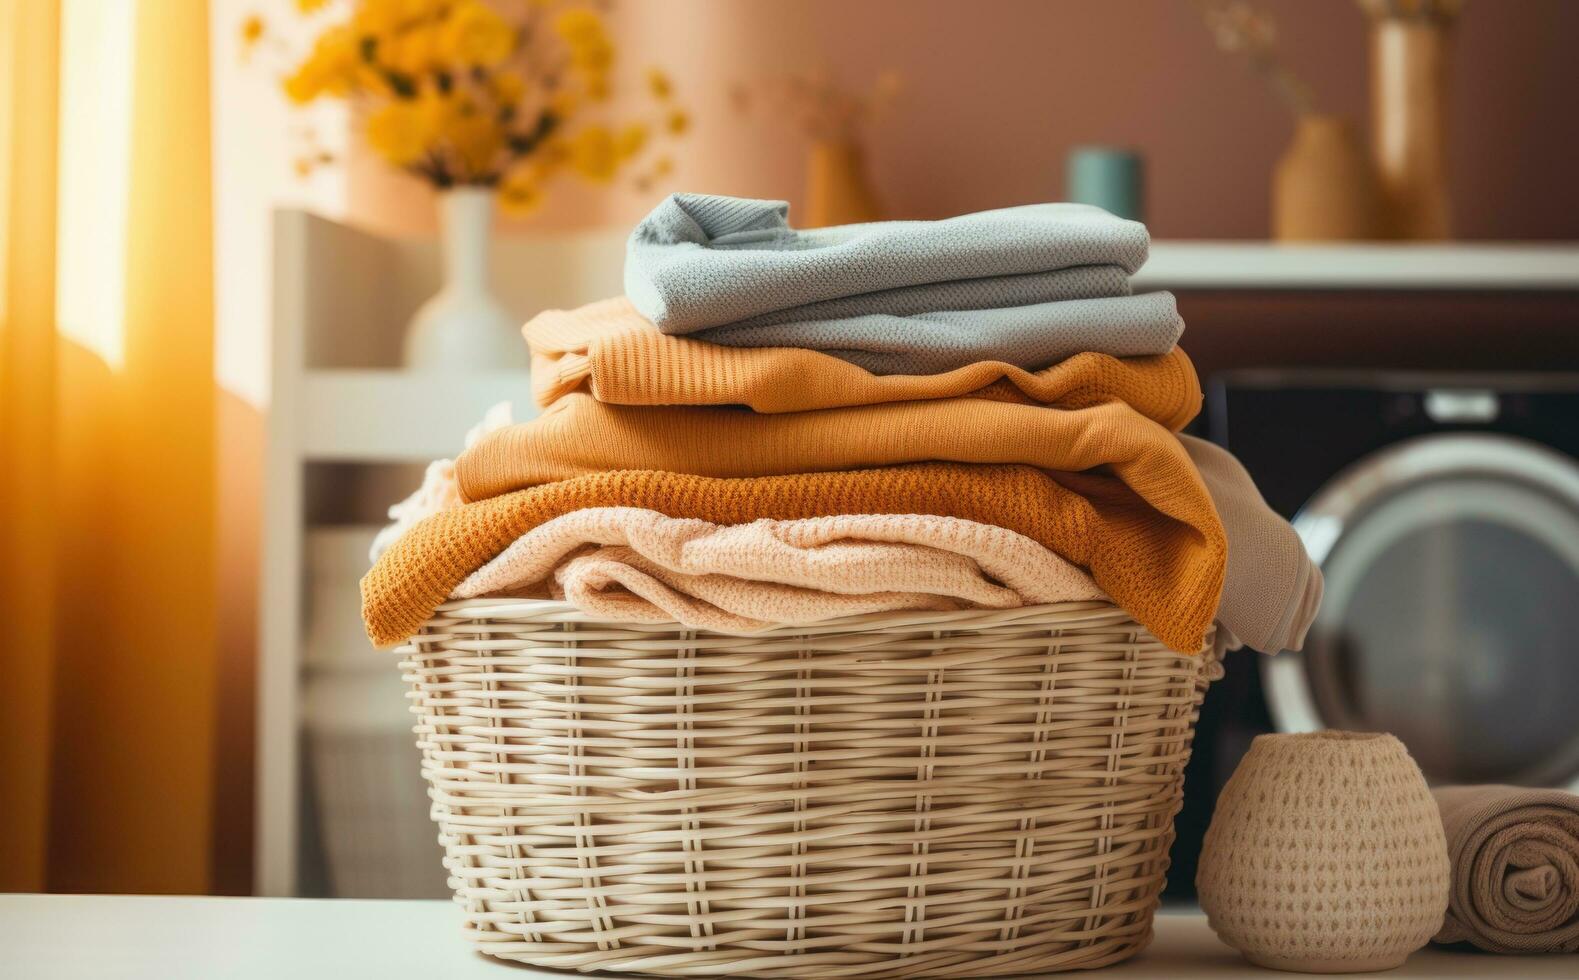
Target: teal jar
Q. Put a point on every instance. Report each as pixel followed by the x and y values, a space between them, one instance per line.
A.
pixel 1109 177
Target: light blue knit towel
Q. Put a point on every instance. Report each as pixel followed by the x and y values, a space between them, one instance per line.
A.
pixel 701 260
pixel 1031 337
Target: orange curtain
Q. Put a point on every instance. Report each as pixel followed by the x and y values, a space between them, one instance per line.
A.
pixel 107 451
pixel 29 34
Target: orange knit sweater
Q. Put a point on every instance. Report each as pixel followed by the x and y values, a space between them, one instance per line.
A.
pixel 619 357
pixel 1160 557
pixel 579 436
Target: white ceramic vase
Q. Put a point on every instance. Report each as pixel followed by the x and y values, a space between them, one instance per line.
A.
pixel 463 327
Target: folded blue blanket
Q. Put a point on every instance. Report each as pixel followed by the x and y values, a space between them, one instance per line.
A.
pixel 1030 337
pixel 700 261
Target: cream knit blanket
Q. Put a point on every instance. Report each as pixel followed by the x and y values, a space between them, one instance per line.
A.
pixel 626 562
pixel 620 585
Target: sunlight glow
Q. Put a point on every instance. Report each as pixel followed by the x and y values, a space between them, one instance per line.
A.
pixel 97 38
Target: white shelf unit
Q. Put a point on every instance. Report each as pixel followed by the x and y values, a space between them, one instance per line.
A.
pixel 361 416
pixel 1393 266
pixel 341 296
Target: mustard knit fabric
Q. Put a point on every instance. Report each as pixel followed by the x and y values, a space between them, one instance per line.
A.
pixel 616 355
pixel 1160 556
pixel 579 436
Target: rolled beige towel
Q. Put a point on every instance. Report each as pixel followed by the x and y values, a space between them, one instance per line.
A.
pixel 1515 860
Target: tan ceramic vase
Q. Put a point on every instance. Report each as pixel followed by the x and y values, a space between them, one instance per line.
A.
pixel 1325 855
pixel 1324 188
pixel 1409 79
pixel 837 189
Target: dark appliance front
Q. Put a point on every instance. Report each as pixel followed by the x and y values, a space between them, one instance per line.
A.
pixel 1444 510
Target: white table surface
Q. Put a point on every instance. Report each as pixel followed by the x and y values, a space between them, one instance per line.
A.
pixel 113 936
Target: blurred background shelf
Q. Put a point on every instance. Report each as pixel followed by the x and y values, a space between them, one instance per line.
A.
pixel 393 416
pixel 348 434
pixel 1182 265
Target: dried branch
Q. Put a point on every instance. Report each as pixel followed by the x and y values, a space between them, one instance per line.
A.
pixel 1240 28
pixel 820 107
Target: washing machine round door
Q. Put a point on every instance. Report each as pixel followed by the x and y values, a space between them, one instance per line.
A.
pixel 1451 612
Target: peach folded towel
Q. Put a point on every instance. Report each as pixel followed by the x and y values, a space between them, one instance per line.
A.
pixel 891 561
pixel 1165 572
pixel 614 353
pixel 1515 868
pixel 620 585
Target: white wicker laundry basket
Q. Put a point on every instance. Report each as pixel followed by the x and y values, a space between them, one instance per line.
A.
pixel 945 794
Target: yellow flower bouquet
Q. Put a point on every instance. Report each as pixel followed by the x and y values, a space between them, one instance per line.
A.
pixel 491 94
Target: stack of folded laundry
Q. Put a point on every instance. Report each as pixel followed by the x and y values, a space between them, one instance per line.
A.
pixel 777 426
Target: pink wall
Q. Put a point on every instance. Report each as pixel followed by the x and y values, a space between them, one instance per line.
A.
pixel 998 90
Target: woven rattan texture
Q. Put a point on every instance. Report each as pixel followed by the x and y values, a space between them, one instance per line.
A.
pixel 947 794
pixel 1325 853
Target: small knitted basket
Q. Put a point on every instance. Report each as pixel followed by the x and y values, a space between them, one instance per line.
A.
pixel 1325 855
pixel 959 794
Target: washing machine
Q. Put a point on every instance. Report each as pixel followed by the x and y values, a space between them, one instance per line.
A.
pixel 1444 512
